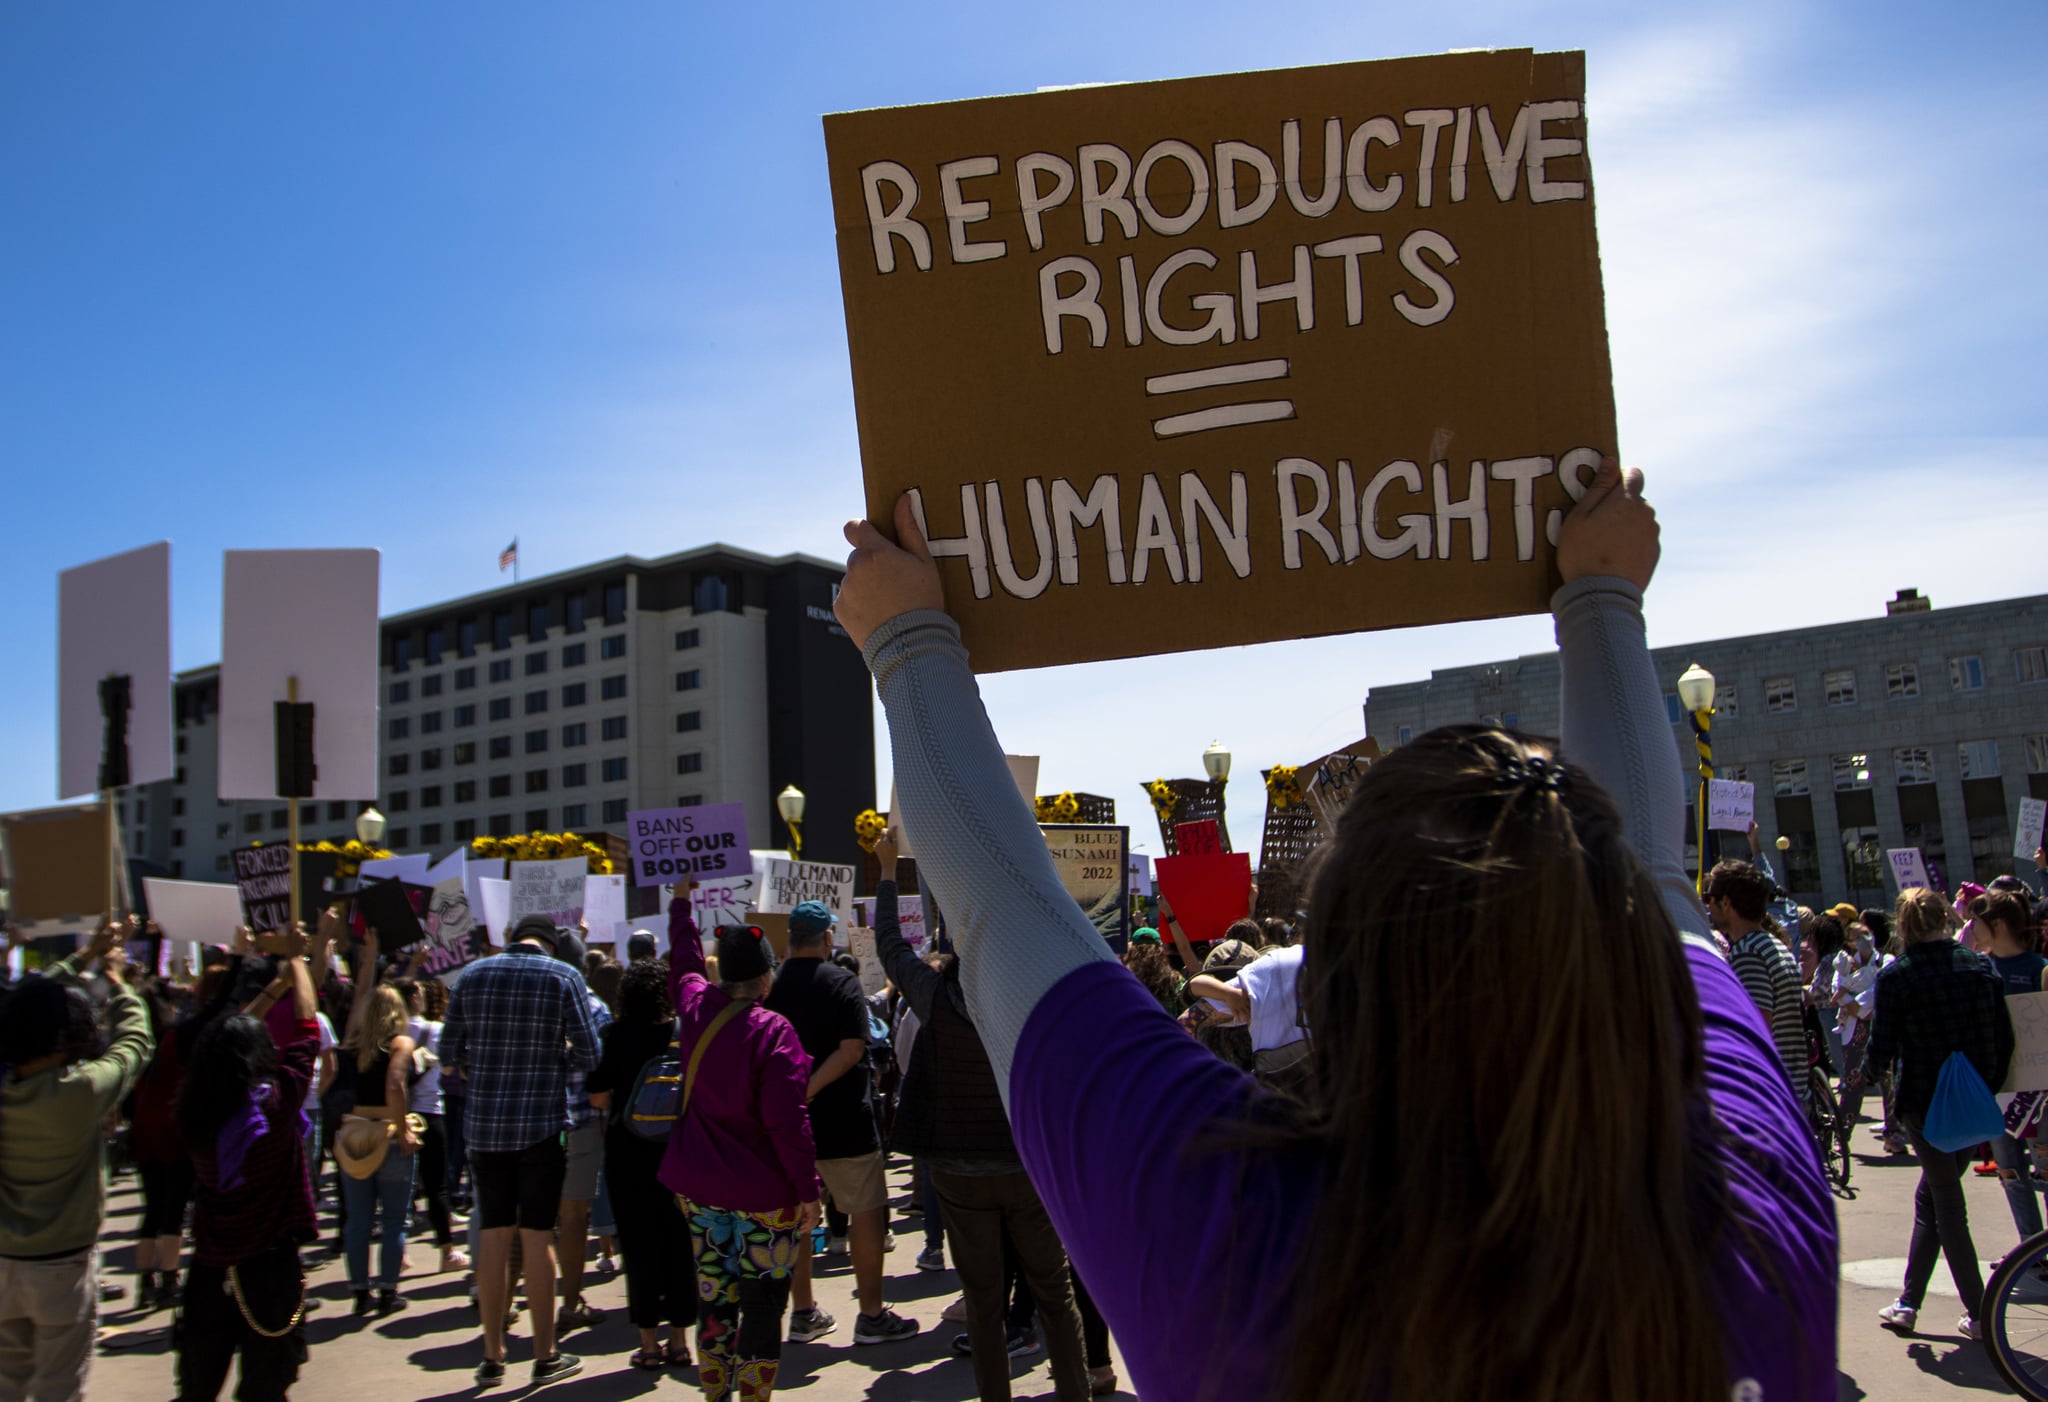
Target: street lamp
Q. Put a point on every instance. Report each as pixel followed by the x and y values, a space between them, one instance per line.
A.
pixel 1216 763
pixel 790 804
pixel 369 827
pixel 1696 694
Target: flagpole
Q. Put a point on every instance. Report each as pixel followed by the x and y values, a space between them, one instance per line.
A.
pixel 515 559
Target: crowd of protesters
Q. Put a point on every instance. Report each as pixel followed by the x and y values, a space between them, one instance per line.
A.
pixel 1509 1109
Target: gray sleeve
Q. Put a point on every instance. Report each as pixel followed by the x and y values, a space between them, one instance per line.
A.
pixel 976 841
pixel 1614 728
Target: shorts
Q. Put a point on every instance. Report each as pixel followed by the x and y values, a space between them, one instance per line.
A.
pixel 586 1157
pixel 519 1187
pixel 856 1184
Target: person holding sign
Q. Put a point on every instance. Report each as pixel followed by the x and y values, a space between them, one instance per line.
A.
pixel 1589 1118
pixel 2003 917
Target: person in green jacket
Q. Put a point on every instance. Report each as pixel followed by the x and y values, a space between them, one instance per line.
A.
pixel 56 1085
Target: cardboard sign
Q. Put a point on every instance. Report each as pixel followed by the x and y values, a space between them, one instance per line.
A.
pixel 1200 839
pixel 1908 867
pixel 494 903
pixel 1206 893
pixel 1138 874
pixel 774 924
pixel 1091 865
pixel 396 910
pixel 2028 1069
pixel 263 876
pixel 195 912
pixel 722 902
pixel 604 907
pixel 1731 805
pixel 451 927
pixel 861 944
pixel 114 619
pixel 1231 359
pixel 2027 835
pixel 553 889
pixel 57 864
pixel 309 616
pixel 786 884
pixel 708 843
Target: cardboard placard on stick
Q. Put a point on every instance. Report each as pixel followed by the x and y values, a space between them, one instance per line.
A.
pixel 1731 805
pixel 263 876
pixel 1184 364
pixel 774 924
pixel 1908 867
pixel 1198 839
pixel 786 884
pixel 2028 1069
pixel 1207 893
pixel 706 844
pixel 1091 863
pixel 194 912
pixel 394 909
pixel 59 864
pixel 2027 835
pixel 114 619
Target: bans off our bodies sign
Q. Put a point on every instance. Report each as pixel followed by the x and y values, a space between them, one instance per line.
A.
pixel 1225 360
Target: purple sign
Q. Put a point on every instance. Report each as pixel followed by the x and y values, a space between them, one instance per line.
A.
pixel 674 845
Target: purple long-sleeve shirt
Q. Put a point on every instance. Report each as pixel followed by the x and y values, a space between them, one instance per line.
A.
pixel 745 1142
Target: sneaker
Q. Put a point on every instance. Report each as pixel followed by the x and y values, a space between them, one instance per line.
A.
pixel 389 1302
pixel 363 1303
pixel 490 1373
pixel 932 1260
pixel 577 1316
pixel 806 1325
pixel 835 1246
pixel 1899 1317
pixel 888 1241
pixel 888 1327
pixel 1023 1343
pixel 1967 1327
pixel 562 1365
pixel 955 1313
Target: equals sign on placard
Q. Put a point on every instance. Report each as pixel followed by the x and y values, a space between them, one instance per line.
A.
pixel 1256 411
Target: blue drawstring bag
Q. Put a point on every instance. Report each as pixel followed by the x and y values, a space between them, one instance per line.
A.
pixel 1963 1112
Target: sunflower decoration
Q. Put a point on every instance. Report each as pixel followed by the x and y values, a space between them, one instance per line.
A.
pixel 348 856
pixel 1059 808
pixel 543 847
pixel 1164 799
pixel 1283 786
pixel 868 828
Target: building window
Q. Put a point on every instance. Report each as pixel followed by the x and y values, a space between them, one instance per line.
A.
pixel 574 655
pixel 536 820
pixel 398 764
pixel 614 728
pixel 612 689
pixel 575 610
pixel 465 646
pixel 614 604
pixel 1404 735
pixel 536 703
pixel 1780 694
pixel 430 723
pixel 399 802
pixel 536 781
pixel 465 792
pixel 691 763
pixel 709 595
pixel 400 693
pixel 400 837
pixel 536 742
pixel 1851 772
pixel 1839 687
pixel 280 818
pixel 2037 754
pixel 401 652
pixel 690 680
pixel 1788 778
pixel 574 735
pixel 537 621
pixel 1726 702
pixel 686 640
pixel 574 815
pixel 501 670
pixel 501 824
pixel 501 747
pixel 575 694
pixel 430 796
pixel 1966 673
pixel 501 708
pixel 1737 772
pixel 437 640
pixel 687 721
pixel 614 646
pixel 465 715
pixel 430 834
pixel 501 629
pixel 575 776
pixel 465 829
pixel 2030 664
pixel 690 800
pixel 336 812
pixel 1913 765
pixel 536 664
pixel 430 759
pixel 615 771
pixel 501 786
pixel 397 728
pixel 252 822
pixel 178 807
pixel 465 753
pixel 615 810
pixel 1674 711
pixel 431 686
pixel 1863 859
pixel 465 678
pixel 1979 758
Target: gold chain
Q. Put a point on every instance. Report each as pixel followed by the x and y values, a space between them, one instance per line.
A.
pixel 235 1289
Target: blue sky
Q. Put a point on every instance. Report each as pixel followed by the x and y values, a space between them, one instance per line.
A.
pixel 428 277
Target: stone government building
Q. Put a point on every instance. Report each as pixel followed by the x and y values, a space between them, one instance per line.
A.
pixel 1923 728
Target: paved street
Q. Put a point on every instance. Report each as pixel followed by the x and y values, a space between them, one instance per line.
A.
pixel 428 1351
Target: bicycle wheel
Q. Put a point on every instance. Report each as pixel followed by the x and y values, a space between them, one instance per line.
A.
pixel 2015 1318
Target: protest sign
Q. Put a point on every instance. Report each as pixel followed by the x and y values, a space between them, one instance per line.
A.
pixel 58 864
pixel 553 889
pixel 1731 805
pixel 263 876
pixel 773 924
pixel 860 942
pixel 1138 874
pixel 303 621
pixel 1198 839
pixel 786 884
pixel 396 910
pixel 196 912
pixel 604 907
pixel 1091 867
pixel 707 843
pixel 2027 837
pixel 725 901
pixel 1908 867
pixel 1207 892
pixel 1185 364
pixel 494 904
pixel 416 867
pixel 451 927
pixel 114 620
pixel 2028 1069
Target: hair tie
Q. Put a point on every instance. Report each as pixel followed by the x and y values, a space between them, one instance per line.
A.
pixel 1536 772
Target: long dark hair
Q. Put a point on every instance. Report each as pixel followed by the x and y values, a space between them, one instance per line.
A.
pixel 1508 1097
pixel 234 1053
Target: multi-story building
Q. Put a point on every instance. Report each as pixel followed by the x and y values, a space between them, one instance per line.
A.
pixel 1923 729
pixel 563 703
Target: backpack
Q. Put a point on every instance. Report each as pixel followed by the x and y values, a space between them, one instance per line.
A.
pixel 661 1092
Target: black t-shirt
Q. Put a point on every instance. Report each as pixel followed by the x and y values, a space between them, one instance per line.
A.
pixel 826 1006
pixel 626 1048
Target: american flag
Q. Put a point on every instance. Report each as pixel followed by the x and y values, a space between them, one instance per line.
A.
pixel 509 556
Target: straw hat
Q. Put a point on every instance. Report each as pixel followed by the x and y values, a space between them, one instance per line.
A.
pixel 360 1146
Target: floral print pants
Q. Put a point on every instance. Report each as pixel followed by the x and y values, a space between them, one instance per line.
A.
pixel 744 1261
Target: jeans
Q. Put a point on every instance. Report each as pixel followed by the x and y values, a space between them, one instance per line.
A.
pixel 1941 1225
pixel 934 1215
pixel 981 1210
pixel 388 1190
pixel 2016 1175
pixel 454 1107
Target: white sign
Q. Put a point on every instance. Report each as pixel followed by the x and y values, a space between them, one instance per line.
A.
pixel 450 926
pixel 786 884
pixel 604 907
pixel 1909 868
pixel 494 905
pixel 553 889
pixel 2026 840
pixel 114 619
pixel 2028 1069
pixel 201 912
pixel 413 868
pixel 1731 805
pixel 725 901
pixel 309 616
pixel 1138 874
pixel 861 944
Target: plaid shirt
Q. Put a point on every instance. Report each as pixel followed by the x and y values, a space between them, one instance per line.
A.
pixel 1934 999
pixel 519 1025
pixel 580 1109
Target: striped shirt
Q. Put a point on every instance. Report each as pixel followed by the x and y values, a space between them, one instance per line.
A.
pixel 518 1024
pixel 1771 975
